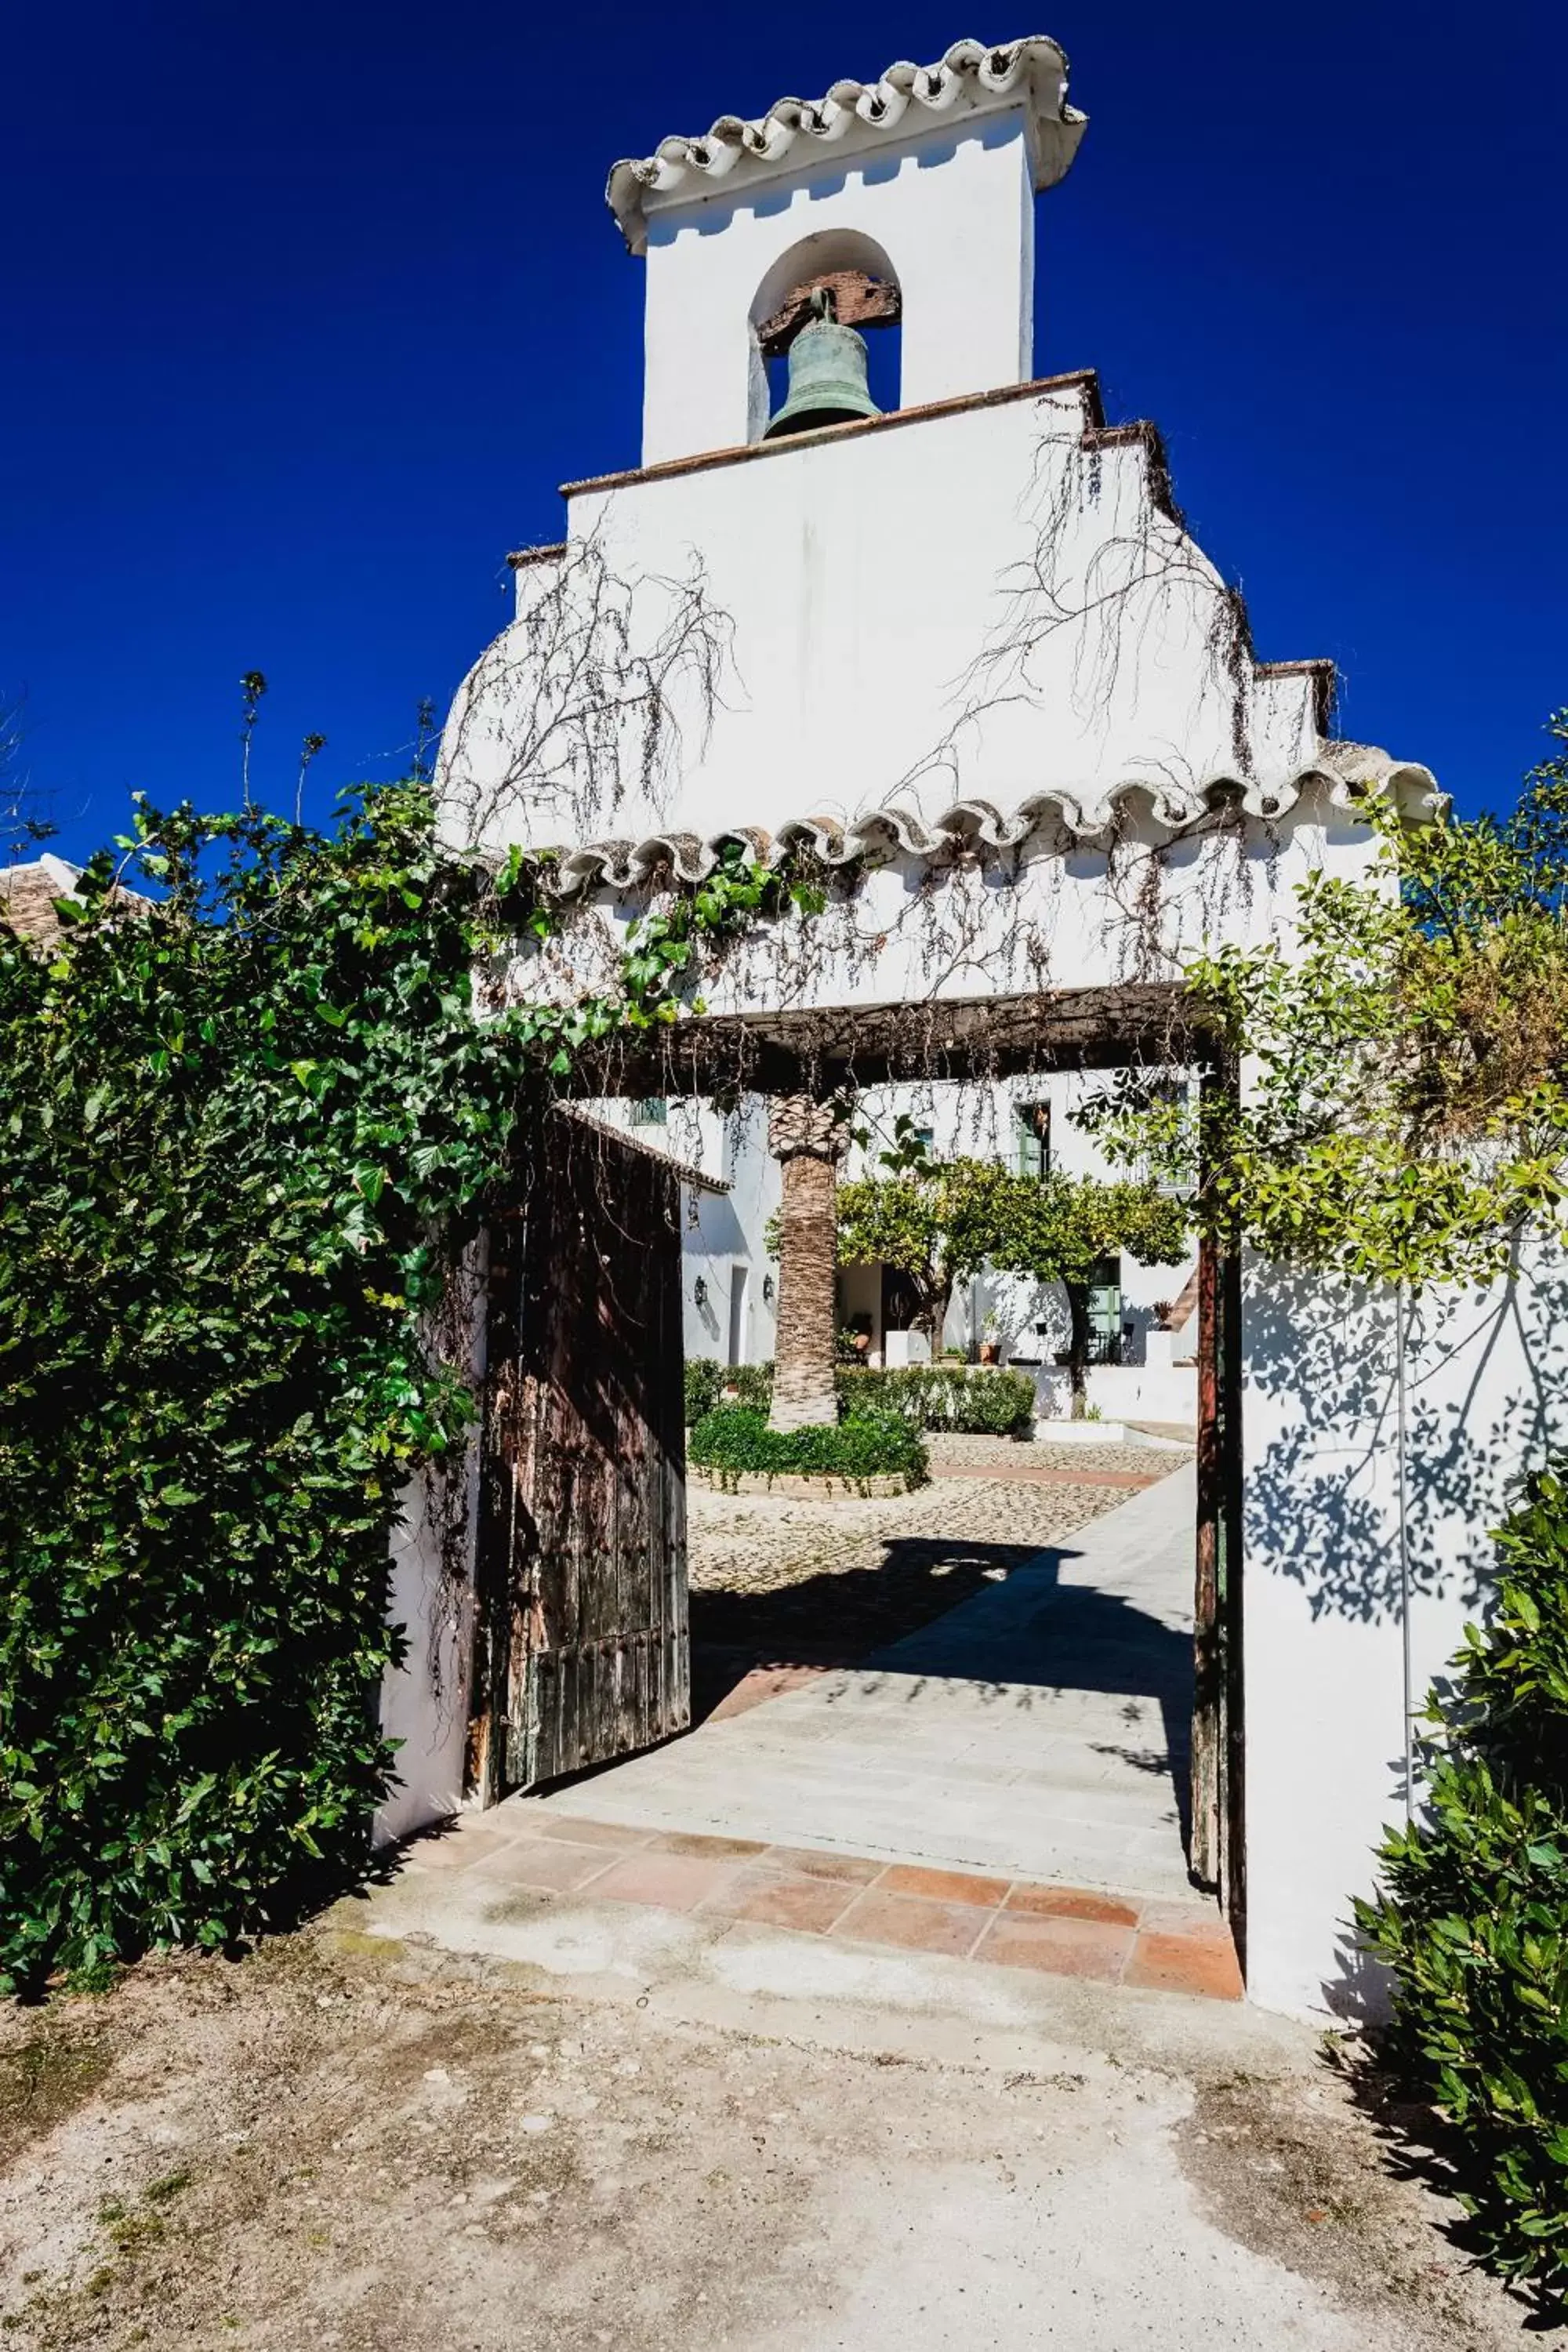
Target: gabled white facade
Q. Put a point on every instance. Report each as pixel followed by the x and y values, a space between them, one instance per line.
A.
pixel 969 653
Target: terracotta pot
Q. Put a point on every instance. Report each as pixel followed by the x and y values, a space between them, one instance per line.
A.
pixel 990 1351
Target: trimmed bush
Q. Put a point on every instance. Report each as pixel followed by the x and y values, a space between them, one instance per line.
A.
pixel 933 1396
pixel 707 1380
pixel 701 1387
pixel 1473 1916
pixel 736 1439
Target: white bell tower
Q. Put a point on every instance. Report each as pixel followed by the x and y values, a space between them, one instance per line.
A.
pixel 925 178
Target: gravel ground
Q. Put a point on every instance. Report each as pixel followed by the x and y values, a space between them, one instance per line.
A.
pixel 337 2146
pixel 776 1580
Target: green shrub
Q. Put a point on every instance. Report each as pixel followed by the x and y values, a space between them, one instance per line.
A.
pixel 931 1396
pixel 736 1439
pixel 706 1382
pixel 1473 1914
pixel 243 1134
pixel 752 1384
pixel 701 1387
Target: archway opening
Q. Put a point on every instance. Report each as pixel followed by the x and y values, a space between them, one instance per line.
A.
pixel 856 279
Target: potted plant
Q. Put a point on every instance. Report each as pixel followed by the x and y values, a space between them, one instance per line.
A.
pixel 991 1341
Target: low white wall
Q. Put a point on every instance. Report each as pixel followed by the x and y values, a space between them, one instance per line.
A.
pixel 1322 1641
pixel 425 1701
pixel 1122 1392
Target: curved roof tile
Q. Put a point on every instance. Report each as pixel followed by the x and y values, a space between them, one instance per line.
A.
pixel 1348 769
pixel 970 73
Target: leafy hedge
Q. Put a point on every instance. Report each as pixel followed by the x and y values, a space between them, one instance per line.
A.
pixel 931 1396
pixel 1473 1918
pixel 736 1439
pixel 979 1403
pixel 245 1135
pixel 240 1137
pixel 707 1380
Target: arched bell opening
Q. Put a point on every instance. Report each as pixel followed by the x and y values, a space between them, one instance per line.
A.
pixel 839 291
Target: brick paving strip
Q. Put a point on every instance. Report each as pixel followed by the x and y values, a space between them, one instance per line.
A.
pixel 1157 1946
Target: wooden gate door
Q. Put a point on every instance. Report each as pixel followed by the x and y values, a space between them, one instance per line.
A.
pixel 583 1534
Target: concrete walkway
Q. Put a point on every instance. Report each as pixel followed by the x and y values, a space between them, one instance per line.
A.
pixel 1039 1731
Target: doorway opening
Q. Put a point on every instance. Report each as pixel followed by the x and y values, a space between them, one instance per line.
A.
pixel 978 1681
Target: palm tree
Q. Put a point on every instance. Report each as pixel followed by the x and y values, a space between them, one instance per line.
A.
pixel 804 1135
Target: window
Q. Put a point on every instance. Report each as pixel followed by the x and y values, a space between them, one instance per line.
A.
pixel 1032 1139
pixel 651 1112
pixel 1105 1311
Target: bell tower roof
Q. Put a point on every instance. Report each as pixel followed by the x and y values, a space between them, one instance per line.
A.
pixel 970 80
pixel 923 182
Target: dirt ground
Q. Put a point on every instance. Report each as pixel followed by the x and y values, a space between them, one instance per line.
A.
pixel 387 2149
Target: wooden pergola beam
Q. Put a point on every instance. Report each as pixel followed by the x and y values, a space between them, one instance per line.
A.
pixel 1152 1024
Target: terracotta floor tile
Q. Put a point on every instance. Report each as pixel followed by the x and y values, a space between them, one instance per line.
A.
pixel 454 1849
pixel 676 1882
pixel 542 1864
pixel 776 1900
pixel 706 1849
pixel 858 1868
pixel 1200 1923
pixel 1185 1964
pixel 579 1833
pixel 1072 1903
pixel 912 1924
pixel 1058 1947
pixel 943 1885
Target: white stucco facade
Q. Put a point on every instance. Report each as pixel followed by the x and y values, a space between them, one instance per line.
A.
pixel 969 657
pixel 1487 1389
pixel 728 1189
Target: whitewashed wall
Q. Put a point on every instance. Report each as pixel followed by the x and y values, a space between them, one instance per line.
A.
pixel 1081 641
pixel 424 1702
pixel 1488 1387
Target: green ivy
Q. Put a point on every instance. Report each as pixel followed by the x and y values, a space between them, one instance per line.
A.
pixel 243 1138
pixel 1473 1916
pixel 736 1439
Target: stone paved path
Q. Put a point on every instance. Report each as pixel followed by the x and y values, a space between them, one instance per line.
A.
pixel 1038 1730
pixel 781 1581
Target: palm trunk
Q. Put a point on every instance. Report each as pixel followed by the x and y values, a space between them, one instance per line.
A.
pixel 805 1139
pixel 1078 1347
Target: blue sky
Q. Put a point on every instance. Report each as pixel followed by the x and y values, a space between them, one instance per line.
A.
pixel 309 310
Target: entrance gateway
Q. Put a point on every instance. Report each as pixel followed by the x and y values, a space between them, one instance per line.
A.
pixel 959 652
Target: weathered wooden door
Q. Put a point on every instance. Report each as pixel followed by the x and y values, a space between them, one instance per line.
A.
pixel 584 1533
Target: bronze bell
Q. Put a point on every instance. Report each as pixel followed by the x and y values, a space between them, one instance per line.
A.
pixel 826 375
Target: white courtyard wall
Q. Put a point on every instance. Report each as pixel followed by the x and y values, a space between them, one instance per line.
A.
pixel 425 1701
pixel 1488 1396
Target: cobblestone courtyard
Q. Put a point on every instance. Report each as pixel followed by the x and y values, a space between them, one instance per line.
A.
pixel 777 1582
